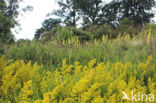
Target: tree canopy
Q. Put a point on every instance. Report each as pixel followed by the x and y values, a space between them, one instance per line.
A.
pixel 47 25
pixel 139 11
pixel 100 12
pixel 68 12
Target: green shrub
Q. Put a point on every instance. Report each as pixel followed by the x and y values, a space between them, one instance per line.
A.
pixel 49 35
pixel 126 26
pixel 82 35
pixel 64 33
pixel 100 30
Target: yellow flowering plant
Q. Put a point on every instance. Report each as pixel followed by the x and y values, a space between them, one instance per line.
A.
pixel 91 83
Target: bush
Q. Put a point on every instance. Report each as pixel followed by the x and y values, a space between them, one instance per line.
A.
pixel 64 33
pixel 49 35
pixel 100 30
pixel 106 30
pixel 82 35
pixel 126 26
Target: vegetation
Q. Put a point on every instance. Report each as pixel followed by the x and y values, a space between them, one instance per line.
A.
pixel 91 83
pixel 68 70
pixel 134 13
pixel 123 49
pixel 9 11
pixel 113 53
pixel 7 22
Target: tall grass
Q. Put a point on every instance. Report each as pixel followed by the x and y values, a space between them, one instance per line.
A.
pixel 122 49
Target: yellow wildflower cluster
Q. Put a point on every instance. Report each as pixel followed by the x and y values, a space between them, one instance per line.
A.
pixel 16 79
pixel 26 91
pixel 101 83
pixel 92 83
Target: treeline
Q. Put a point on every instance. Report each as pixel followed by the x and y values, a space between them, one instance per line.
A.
pixel 96 17
pixel 117 16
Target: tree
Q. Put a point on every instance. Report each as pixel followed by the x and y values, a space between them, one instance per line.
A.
pixel 139 11
pixel 126 26
pixel 6 23
pixel 67 12
pixel 111 13
pixel 90 11
pixel 47 25
pixel 9 11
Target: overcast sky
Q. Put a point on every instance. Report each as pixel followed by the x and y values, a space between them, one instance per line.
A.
pixel 33 20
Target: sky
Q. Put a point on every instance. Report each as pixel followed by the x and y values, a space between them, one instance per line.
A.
pixel 33 20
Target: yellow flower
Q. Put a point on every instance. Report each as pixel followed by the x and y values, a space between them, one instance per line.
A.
pixel 92 63
pixel 149 37
pixel 98 99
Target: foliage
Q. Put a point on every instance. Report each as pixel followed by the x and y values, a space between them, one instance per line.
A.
pixel 33 51
pixel 82 34
pixel 2 49
pixel 101 12
pixel 67 12
pixel 126 26
pixel 100 30
pixel 92 83
pixel 6 23
pixel 49 35
pixel 47 25
pixel 110 18
pixel 136 10
pixel 64 34
pixel 110 13
pixel 123 48
pixel 58 33
pixel 9 11
pixel 90 11
pixel 152 27
pixel 18 81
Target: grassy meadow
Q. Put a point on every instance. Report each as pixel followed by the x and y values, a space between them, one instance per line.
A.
pixel 71 71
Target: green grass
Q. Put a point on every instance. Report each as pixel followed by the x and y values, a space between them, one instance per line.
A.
pixel 52 54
